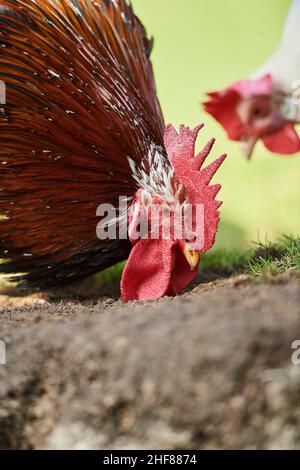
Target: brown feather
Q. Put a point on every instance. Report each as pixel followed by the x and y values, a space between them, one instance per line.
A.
pixel 80 99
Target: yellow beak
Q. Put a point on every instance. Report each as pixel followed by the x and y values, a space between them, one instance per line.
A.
pixel 192 257
pixel 247 146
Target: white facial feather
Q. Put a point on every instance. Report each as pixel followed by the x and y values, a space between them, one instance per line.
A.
pixel 284 65
pixel 290 109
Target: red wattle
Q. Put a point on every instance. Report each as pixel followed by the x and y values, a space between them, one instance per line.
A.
pixel 155 268
pixel 285 141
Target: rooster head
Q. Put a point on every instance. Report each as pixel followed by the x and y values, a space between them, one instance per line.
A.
pixel 173 218
pixel 250 110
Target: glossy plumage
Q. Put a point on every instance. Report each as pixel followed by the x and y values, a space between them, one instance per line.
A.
pixel 81 99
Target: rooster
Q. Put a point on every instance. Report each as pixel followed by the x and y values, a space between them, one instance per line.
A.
pixel 265 106
pixel 81 128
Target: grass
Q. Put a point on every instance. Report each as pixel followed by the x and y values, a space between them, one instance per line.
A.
pixel 112 274
pixel 224 261
pixel 261 261
pixel 276 259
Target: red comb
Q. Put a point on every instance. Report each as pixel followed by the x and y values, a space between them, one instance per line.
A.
pixel 196 179
pixel 285 141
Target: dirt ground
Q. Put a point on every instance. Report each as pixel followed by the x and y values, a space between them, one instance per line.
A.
pixel 209 369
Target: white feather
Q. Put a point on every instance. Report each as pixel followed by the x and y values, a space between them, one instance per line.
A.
pixel 284 65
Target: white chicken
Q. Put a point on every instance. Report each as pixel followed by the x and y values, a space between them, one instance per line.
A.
pixel 266 106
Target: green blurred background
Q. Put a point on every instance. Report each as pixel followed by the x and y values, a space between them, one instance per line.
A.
pixel 203 45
